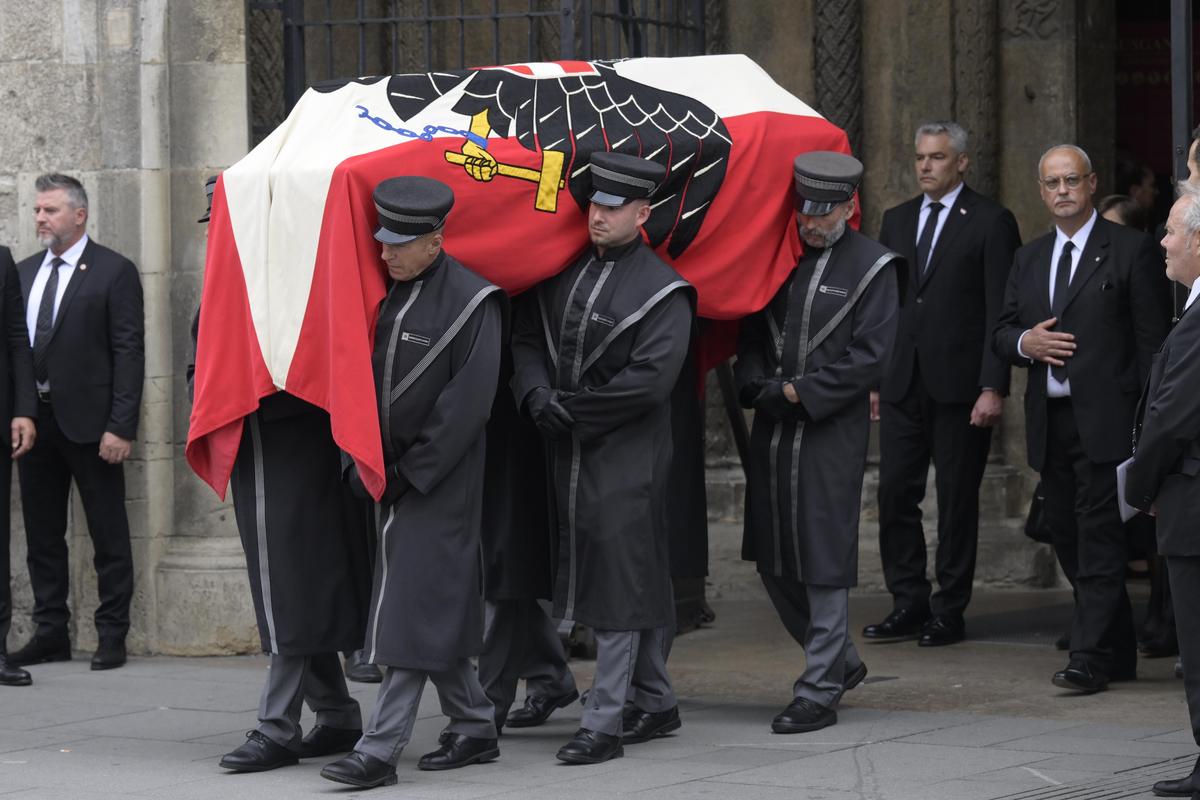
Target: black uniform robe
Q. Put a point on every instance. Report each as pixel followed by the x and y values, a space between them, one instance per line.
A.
pixel 614 332
pixel 436 358
pixel 307 539
pixel 804 481
pixel 516 531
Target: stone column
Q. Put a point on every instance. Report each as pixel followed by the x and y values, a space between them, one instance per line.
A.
pixel 204 599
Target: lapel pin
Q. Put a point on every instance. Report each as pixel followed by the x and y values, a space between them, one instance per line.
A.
pixel 82 266
pixel 1097 258
pixel 962 211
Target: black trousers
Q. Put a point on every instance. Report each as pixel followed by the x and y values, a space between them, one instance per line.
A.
pixel 1185 586
pixel 46 472
pixel 5 543
pixel 1089 540
pixel 911 433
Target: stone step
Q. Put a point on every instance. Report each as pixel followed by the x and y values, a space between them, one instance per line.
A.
pixel 1006 559
pixel 1001 495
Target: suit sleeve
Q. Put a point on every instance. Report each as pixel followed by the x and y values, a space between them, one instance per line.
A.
pixel 1008 329
pixel 20 355
pixel 656 357
pixel 528 348
pixel 461 411
pixel 832 387
pixel 1171 422
pixel 1149 304
pixel 1000 246
pixel 126 336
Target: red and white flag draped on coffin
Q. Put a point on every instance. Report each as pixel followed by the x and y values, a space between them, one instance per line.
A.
pixel 293 277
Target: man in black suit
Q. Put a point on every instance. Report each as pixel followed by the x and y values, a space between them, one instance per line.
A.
pixel 1164 476
pixel 83 312
pixel 943 389
pixel 18 403
pixel 1084 310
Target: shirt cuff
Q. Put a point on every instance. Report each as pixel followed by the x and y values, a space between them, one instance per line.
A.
pixel 1021 352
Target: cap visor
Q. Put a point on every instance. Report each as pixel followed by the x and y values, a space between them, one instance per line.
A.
pixel 391 237
pixel 605 199
pixel 816 208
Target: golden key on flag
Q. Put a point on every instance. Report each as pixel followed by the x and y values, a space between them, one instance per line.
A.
pixel 549 179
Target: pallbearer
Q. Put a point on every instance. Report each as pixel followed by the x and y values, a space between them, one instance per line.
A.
pixel 806 364
pixel 596 358
pixel 436 358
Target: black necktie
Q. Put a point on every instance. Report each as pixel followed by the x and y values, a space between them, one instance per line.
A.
pixel 45 322
pixel 1062 282
pixel 925 243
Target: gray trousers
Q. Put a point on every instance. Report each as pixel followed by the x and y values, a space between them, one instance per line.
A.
pixel 630 665
pixel 391 724
pixel 520 640
pixel 294 680
pixel 818 618
pixel 1185 595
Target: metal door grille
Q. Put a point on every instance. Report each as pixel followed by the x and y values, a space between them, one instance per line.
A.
pixel 294 43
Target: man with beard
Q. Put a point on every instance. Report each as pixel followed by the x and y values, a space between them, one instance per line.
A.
pixel 596 359
pixel 436 358
pixel 806 365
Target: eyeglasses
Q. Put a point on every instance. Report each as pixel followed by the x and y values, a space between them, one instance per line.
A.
pixel 1072 182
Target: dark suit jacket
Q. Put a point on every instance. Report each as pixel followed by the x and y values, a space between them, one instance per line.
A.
pixel 949 311
pixel 1118 307
pixel 1166 460
pixel 18 396
pixel 97 349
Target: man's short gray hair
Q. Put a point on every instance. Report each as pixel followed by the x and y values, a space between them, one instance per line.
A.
pixel 955 132
pixel 76 194
pixel 1076 149
pixel 1191 214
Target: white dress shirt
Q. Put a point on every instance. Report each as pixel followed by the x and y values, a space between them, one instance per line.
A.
pixel 1056 388
pixel 948 200
pixel 1193 294
pixel 71 257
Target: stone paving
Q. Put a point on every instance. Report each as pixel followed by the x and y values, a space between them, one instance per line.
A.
pixel 976 721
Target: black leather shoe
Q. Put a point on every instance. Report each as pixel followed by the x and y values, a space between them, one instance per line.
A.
pixel 854 677
pixel 360 769
pixel 1063 642
pixel 538 709
pixel 590 747
pixel 42 650
pixel 802 716
pixel 258 754
pixel 903 623
pixel 1184 787
pixel 457 751
pixel 1162 647
pixel 1080 677
pixel 323 740
pixel 12 676
pixel 360 671
pixel 940 631
pixel 110 654
pixel 642 726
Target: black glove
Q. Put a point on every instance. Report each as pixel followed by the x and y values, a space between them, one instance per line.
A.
pixel 354 480
pixel 750 391
pixel 397 485
pixel 772 402
pixel 537 399
pixel 548 414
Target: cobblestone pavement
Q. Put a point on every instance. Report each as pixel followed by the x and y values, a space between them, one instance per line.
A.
pixel 970 722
